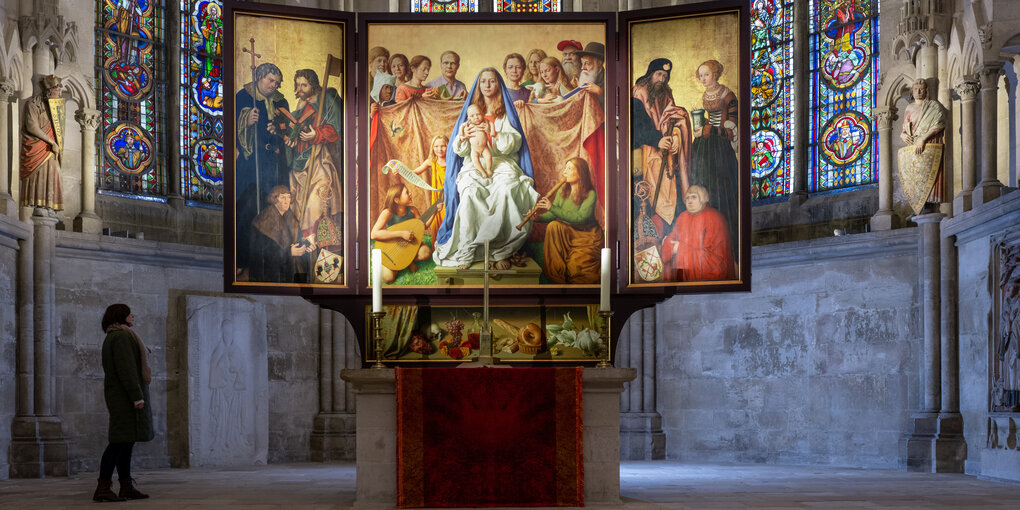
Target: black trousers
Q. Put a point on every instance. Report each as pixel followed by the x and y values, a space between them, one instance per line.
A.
pixel 116 455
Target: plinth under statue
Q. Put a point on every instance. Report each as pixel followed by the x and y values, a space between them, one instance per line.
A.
pixel 921 162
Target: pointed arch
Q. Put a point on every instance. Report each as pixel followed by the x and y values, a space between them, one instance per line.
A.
pixel 82 90
pixel 894 87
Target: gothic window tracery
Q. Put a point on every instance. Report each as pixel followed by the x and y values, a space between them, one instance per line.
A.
pixel 130 57
pixel 771 98
pixel 201 101
pixel 844 69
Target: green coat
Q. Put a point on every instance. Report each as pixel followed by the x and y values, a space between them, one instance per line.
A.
pixel 123 386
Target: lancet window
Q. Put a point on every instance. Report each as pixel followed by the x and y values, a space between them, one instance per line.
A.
pixel 130 74
pixel 201 101
pixel 771 98
pixel 844 67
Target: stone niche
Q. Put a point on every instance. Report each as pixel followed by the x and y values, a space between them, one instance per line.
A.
pixel 222 401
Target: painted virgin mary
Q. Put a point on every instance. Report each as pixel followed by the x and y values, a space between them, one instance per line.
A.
pixel 480 208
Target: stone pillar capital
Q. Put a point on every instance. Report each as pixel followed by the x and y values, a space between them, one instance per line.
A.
pixel 989 74
pixel 7 90
pixel 967 90
pixel 87 118
pixel 884 116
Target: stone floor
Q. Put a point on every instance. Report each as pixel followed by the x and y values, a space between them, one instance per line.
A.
pixel 644 485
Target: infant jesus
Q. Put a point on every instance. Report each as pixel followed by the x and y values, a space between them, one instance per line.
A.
pixel 477 130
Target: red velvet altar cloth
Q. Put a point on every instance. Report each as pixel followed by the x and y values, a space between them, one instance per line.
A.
pixel 476 437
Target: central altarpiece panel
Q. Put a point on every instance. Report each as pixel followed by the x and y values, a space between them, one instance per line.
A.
pixel 587 156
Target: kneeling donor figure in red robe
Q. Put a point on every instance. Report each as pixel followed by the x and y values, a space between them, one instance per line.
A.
pixel 699 246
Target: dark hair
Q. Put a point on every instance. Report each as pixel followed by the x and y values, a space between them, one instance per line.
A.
pixel 584 183
pixel 265 69
pixel 311 77
pixel 275 193
pixel 115 314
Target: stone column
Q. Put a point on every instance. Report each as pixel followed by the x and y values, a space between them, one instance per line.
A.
pixel 38 446
pixel 333 428
pixel 945 97
pixel 25 404
pixel 87 220
pixel 967 90
pixel 920 444
pixel 950 447
pixel 8 148
pixel 641 435
pixel 989 188
pixel 885 218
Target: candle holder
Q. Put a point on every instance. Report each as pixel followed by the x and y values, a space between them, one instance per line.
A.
pixel 377 338
pixel 604 332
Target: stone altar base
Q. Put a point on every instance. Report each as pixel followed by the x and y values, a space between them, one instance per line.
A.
pixel 375 394
pixel 527 275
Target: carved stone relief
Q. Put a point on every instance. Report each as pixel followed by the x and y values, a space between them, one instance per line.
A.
pixel 1005 349
pixel 227 381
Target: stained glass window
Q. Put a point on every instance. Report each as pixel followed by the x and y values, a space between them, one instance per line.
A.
pixel 771 98
pixel 526 5
pixel 844 69
pixel 201 100
pixel 129 72
pixel 444 5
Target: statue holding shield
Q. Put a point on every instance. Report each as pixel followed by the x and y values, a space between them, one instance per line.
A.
pixel 42 138
pixel 921 166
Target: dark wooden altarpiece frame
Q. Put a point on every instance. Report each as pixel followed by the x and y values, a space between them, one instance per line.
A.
pixel 353 298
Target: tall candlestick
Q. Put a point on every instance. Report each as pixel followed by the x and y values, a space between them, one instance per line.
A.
pixel 604 301
pixel 376 280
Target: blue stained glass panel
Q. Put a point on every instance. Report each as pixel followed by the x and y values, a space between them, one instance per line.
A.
pixel 844 65
pixel 772 98
pixel 201 100
pixel 129 78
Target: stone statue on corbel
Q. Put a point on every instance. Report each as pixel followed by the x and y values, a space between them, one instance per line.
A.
pixel 42 139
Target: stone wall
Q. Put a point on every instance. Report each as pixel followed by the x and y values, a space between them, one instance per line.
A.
pixel 819 364
pixel 9 232
pixel 976 232
pixel 95 271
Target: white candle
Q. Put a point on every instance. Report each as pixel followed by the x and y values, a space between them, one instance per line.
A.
pixel 604 301
pixel 376 280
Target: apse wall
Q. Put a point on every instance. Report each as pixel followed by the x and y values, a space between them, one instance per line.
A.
pixel 10 231
pixel 818 364
pixel 154 279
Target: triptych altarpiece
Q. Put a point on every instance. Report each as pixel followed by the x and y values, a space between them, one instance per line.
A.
pixel 455 143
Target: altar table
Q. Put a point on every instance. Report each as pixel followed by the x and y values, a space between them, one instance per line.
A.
pixel 376 424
